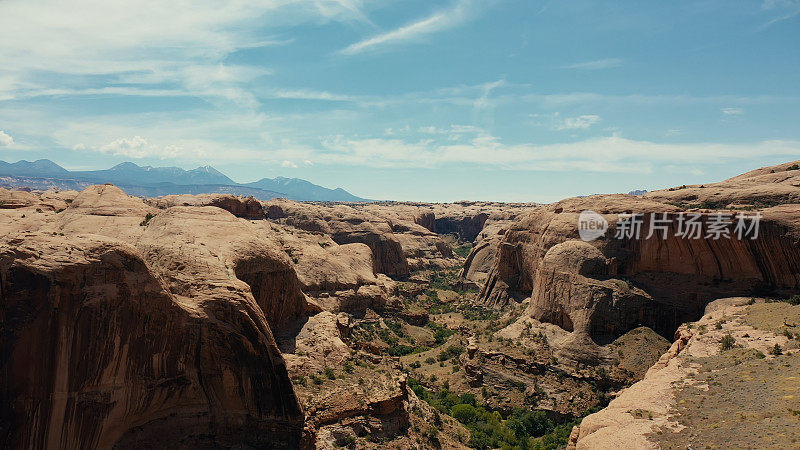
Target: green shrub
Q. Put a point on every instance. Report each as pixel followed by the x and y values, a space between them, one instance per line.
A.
pixel 463 250
pixel 146 220
pixel 348 367
pixel 727 342
pixel 463 413
pixel 329 373
pixel 793 300
pixel 400 350
pixel 452 351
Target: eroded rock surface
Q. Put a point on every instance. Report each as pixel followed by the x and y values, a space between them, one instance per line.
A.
pixel 702 391
pixel 653 282
pixel 144 328
pixel 120 361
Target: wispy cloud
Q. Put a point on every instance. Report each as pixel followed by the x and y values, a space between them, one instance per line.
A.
pixel 595 65
pixel 578 123
pixel 732 112
pixel 556 121
pixel 605 154
pixel 787 9
pixel 308 94
pixel 179 46
pixel 460 12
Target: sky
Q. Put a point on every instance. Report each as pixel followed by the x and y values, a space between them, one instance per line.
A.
pixel 504 100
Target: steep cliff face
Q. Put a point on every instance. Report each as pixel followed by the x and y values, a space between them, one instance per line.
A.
pixel 99 353
pixel 670 280
pixel 154 330
pixel 398 244
pixel 465 227
pixel 483 256
pixel 209 250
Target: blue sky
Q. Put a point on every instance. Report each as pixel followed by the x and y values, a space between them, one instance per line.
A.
pixel 408 100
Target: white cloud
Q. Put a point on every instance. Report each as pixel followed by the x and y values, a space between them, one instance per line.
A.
pixel 451 130
pixel 578 123
pixel 732 111
pixel 556 122
pixel 289 164
pixel 308 94
pixel 136 147
pixel 5 139
pixel 429 130
pixel 180 44
pixel 786 8
pixel 605 154
pixel 596 65
pixel 462 11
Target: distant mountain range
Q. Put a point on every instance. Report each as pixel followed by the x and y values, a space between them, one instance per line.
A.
pixel 156 181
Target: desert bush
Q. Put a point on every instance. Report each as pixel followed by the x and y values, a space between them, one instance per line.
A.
pixel 727 342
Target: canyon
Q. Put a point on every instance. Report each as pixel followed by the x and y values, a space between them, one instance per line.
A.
pixel 220 321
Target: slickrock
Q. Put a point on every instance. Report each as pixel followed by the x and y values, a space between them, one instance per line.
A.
pixel 171 312
pixel 207 249
pixel 99 353
pixel 482 258
pixel 245 207
pixel 16 199
pixel 345 226
pixel 56 200
pixel 764 187
pixel 650 413
pixel 660 283
pixel 398 245
pixel 338 278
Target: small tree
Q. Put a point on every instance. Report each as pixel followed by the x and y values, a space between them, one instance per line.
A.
pixel 463 413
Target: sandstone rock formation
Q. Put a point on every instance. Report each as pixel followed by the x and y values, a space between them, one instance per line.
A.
pixel 337 278
pixel 144 327
pixel 482 258
pixel 16 199
pixel 119 360
pixel 653 282
pixel 648 413
pixel 246 207
pixel 764 187
pixel 398 246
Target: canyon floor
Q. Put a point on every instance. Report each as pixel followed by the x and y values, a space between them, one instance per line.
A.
pixel 216 321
